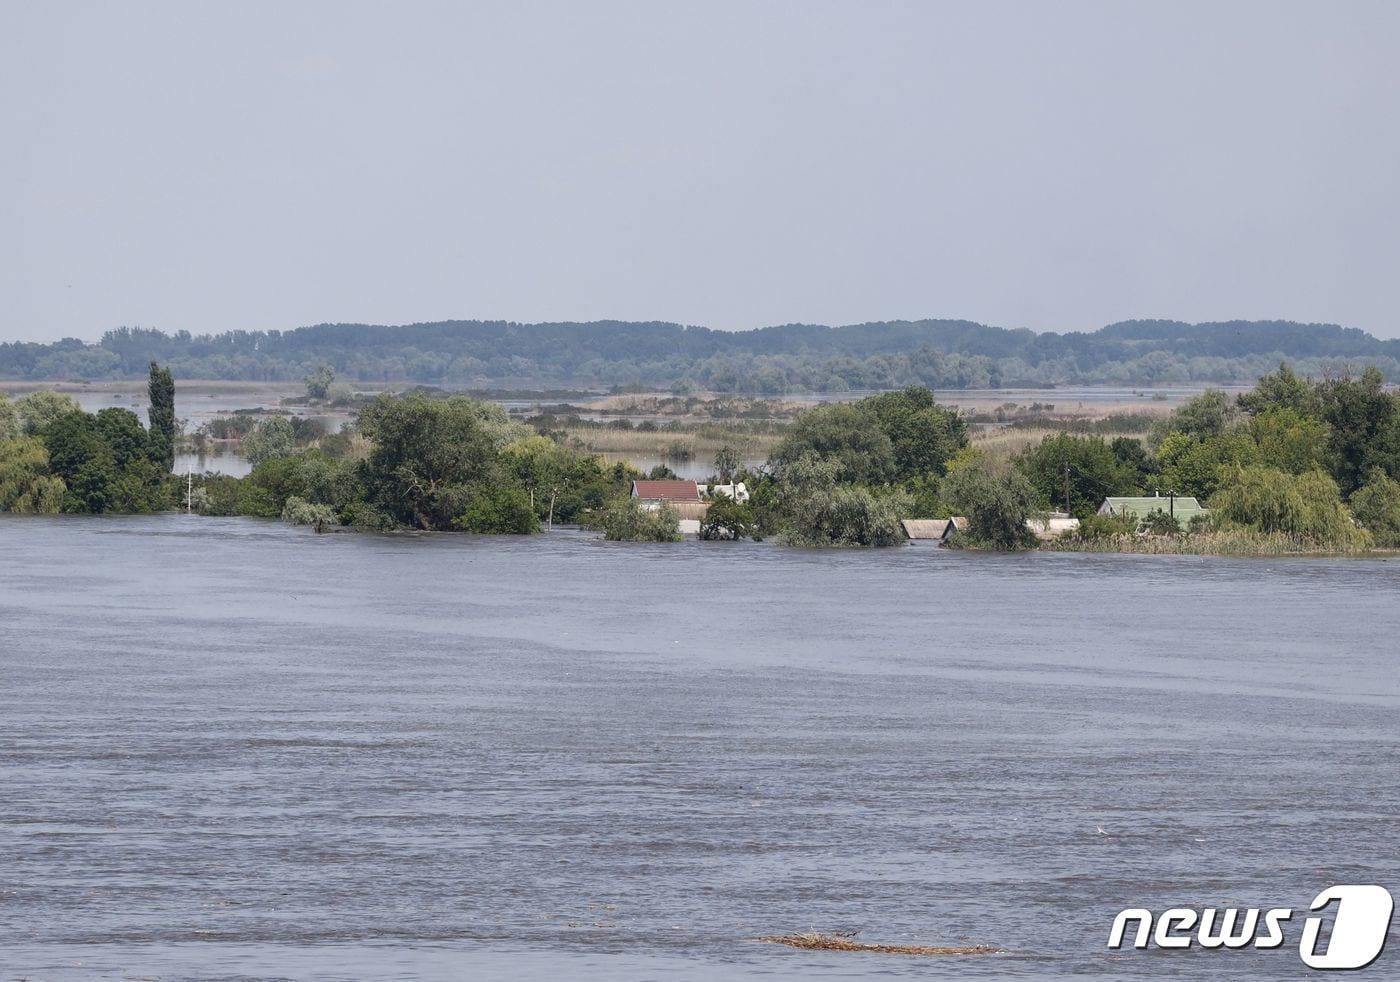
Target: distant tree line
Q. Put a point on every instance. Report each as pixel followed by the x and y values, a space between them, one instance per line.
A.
pixel 768 361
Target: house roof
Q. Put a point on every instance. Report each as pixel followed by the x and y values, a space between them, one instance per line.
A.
pixel 955 524
pixel 1146 505
pixel 924 528
pixel 666 490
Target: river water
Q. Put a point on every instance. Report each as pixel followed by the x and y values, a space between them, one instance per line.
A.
pixel 231 749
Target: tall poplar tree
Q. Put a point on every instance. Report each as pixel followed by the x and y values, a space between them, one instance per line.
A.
pixel 162 416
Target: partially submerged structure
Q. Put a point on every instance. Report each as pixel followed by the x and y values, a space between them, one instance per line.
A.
pixel 1052 525
pixel 924 528
pixel 683 496
pixel 739 492
pixel 1181 507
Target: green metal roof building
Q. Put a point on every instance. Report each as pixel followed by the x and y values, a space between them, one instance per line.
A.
pixel 1182 507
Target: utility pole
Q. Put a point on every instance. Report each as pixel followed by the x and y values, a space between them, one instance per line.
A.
pixel 1171 502
pixel 1067 489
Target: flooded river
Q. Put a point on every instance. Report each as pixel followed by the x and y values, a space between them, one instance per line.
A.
pixel 231 749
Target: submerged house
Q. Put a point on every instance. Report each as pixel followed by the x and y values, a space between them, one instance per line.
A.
pixel 957 523
pixel 1181 507
pixel 924 528
pixel 683 496
pixel 739 492
pixel 1052 525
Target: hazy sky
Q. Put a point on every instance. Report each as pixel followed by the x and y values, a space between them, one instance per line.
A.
pixel 1050 165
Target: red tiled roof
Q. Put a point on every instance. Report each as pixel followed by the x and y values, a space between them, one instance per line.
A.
pixel 666 490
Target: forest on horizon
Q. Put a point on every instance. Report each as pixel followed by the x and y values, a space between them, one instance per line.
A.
pixel 766 361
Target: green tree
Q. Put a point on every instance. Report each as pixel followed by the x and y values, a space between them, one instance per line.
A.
pixel 1307 507
pixel 318 382
pixel 1205 417
pixel 1358 410
pixel 1376 505
pixel 818 511
pixel 39 409
pixel 265 491
pixel 424 456
pixel 272 437
pixel 923 435
pixel 1194 466
pixel 123 433
pixel 1282 390
pixel 1132 457
pixel 26 485
pixel 997 500
pixel 1289 440
pixel 161 390
pixel 102 464
pixel 10 428
pixel 1084 464
pixel 544 469
pixel 1096 528
pixel 327 481
pixel 727 519
pixel 848 434
pixel 79 455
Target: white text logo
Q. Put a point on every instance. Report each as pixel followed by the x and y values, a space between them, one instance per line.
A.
pixel 1359 927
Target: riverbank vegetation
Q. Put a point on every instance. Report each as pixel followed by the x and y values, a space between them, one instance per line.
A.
pixel 1293 465
pixel 428 464
pixel 56 458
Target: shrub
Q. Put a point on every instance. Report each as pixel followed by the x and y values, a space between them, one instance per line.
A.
pixel 498 510
pixel 1095 528
pixel 728 519
pixel 299 511
pixel 1200 523
pixel 271 438
pixel 1376 505
pixel 1159 522
pixel 626 521
pixel 363 517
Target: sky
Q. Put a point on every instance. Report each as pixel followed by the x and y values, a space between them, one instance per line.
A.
pixel 1059 166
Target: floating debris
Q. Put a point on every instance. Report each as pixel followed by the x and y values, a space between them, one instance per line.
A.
pixel 832 942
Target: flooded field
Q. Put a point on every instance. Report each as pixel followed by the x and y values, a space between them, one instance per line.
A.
pixel 232 749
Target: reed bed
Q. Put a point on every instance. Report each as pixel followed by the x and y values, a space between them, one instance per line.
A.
pixel 1234 543
pixel 1004 442
pixel 832 942
pixel 658 443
